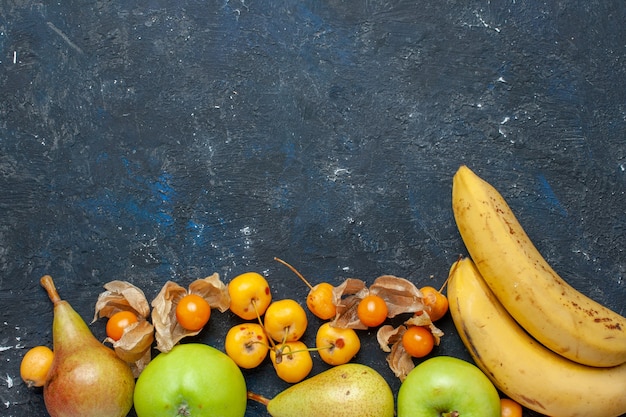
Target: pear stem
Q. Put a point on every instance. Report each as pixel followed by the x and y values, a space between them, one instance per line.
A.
pixel 47 282
pixel 258 398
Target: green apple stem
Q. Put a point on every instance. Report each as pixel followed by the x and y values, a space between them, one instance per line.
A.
pixel 450 414
pixel 258 398
pixel 183 411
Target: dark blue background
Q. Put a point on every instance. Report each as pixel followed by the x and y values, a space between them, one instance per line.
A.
pixel 167 140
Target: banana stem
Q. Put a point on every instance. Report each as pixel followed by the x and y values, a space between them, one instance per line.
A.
pixel 456 264
pixel 443 286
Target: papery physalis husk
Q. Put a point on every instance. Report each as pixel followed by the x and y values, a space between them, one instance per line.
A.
pixel 400 295
pixel 134 345
pixel 390 340
pixel 346 298
pixel 168 331
pixel 424 320
pixel 121 296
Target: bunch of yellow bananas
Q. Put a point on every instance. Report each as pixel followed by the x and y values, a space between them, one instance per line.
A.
pixel 541 342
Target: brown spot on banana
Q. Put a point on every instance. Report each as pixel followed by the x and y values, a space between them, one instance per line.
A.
pixel 533 401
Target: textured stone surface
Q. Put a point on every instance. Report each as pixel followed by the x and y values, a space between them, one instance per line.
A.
pixel 155 141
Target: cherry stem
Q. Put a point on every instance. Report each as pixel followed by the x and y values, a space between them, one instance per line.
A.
pixel 249 344
pixel 285 333
pixel 258 316
pixel 295 271
pixel 291 352
pixel 47 282
pixel 258 398
pixel 279 353
pixel 317 349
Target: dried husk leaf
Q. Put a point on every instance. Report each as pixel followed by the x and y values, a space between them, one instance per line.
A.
pixel 347 317
pixel 424 320
pixel 213 290
pixel 350 286
pixel 141 363
pixel 134 345
pixel 168 331
pixel 400 294
pixel 346 298
pixel 121 296
pixel 390 340
pixel 387 335
pixel 399 361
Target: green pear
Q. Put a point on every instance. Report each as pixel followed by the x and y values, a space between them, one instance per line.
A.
pixel 349 390
pixel 86 378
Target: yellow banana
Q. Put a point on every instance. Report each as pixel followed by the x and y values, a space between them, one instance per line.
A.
pixel 518 365
pixel 551 310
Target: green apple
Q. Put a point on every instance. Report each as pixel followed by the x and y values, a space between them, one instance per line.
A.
pixel 193 380
pixel 444 386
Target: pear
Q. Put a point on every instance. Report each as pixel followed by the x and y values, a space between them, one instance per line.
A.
pixel 86 378
pixel 348 390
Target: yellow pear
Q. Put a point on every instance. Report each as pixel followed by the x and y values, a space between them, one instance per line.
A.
pixel 86 378
pixel 349 390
